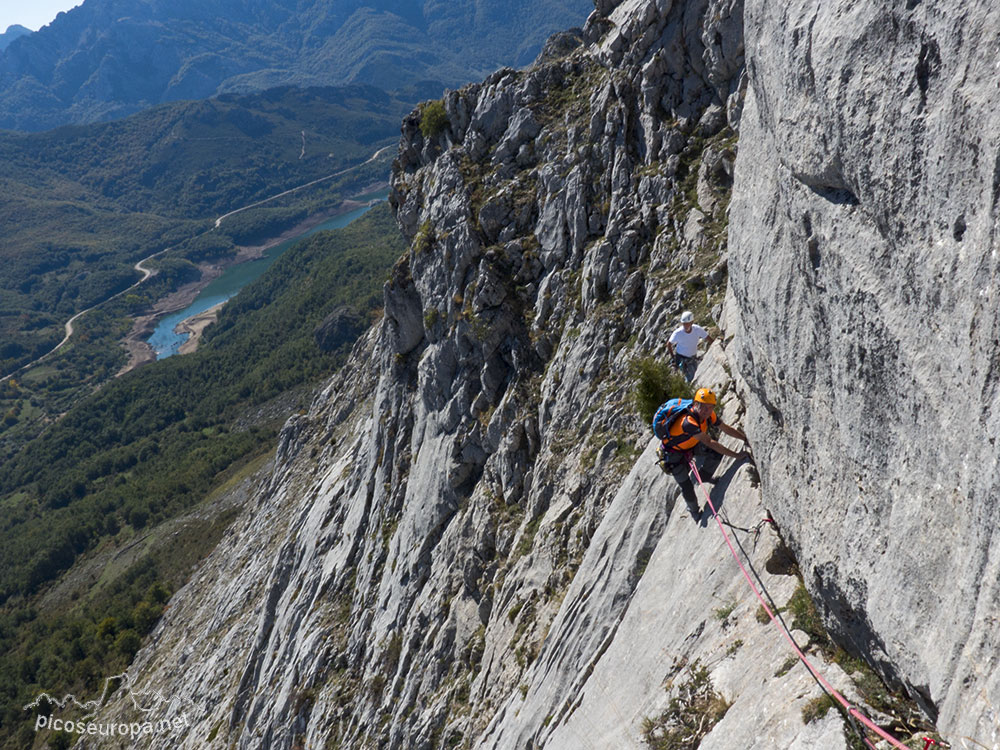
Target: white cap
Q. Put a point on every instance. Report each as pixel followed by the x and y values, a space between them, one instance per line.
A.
pixel 687 317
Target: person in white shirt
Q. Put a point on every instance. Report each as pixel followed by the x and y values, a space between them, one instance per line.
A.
pixel 683 344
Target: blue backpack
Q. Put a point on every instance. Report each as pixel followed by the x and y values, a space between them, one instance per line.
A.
pixel 667 413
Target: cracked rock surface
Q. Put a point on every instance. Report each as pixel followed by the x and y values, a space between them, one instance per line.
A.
pixel 863 262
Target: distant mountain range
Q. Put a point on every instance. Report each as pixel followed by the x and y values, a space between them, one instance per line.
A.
pixel 109 58
pixel 13 32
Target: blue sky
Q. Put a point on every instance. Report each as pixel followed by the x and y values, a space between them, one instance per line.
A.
pixel 32 13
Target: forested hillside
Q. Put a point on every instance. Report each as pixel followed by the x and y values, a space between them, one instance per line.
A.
pixel 84 203
pixel 153 444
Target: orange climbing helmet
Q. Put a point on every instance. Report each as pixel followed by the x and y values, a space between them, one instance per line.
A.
pixel 706 396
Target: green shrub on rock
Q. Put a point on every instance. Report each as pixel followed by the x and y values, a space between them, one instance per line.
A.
pixel 433 119
pixel 655 382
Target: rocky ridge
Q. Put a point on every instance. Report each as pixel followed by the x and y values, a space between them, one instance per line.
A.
pixel 466 541
pixel 106 59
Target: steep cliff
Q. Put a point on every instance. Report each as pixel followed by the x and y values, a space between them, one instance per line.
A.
pixel 863 261
pixel 466 541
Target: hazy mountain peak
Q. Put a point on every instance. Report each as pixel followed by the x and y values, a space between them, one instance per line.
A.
pixel 109 58
pixel 14 31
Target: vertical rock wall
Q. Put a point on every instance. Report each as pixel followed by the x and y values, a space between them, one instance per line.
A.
pixel 441 495
pixel 864 268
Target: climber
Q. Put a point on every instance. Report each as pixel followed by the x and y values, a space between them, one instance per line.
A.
pixel 683 344
pixel 683 430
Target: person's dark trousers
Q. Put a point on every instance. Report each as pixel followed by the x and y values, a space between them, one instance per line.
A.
pixel 677 464
pixel 686 365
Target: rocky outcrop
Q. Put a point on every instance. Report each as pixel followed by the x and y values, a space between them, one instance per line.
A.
pixel 466 541
pixel 435 513
pixel 864 270
pixel 340 327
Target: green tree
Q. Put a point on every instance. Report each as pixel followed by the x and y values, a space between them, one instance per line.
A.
pixel 127 643
pixel 158 593
pixel 145 616
pixel 107 628
pixel 655 382
pixel 433 119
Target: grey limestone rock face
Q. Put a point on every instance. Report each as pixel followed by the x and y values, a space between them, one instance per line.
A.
pixel 340 327
pixel 647 599
pixel 442 492
pixel 863 264
pixel 466 540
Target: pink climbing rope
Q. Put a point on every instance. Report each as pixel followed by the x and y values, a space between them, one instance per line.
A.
pixel 853 712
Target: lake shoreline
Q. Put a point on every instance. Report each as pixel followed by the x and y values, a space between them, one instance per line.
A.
pixel 135 342
pixel 195 326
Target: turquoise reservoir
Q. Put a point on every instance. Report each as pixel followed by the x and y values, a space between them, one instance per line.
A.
pixel 165 341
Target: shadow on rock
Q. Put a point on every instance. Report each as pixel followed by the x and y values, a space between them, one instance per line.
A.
pixel 718 493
